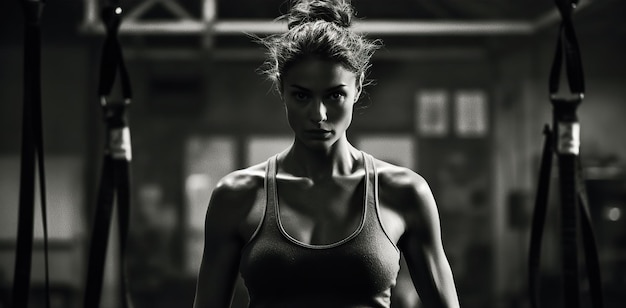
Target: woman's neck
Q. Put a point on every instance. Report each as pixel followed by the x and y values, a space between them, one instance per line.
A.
pixel 316 164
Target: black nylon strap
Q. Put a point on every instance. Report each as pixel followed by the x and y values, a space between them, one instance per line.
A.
pixel 591 256
pixel 123 211
pixel 567 50
pixel 566 150
pixel 571 279
pixel 112 60
pixel 114 189
pixel 574 204
pixel 569 230
pixel 100 234
pixel 539 217
pixel 115 177
pixel 114 186
pixel 31 153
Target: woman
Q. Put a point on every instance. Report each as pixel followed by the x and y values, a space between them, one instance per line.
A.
pixel 321 224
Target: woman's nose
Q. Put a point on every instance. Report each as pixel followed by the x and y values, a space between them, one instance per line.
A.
pixel 318 112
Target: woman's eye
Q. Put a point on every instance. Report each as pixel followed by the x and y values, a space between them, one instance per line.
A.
pixel 300 96
pixel 337 96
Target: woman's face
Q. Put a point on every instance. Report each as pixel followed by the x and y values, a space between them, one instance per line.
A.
pixel 319 97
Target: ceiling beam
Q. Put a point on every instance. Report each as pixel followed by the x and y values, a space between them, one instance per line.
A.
pixel 373 27
pixel 238 54
pixel 209 24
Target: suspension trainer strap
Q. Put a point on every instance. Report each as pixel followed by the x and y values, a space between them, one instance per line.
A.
pixel 100 235
pixel 539 217
pixel 573 196
pixel 591 251
pixel 123 211
pixel 575 203
pixel 31 152
pixel 569 230
pixel 115 177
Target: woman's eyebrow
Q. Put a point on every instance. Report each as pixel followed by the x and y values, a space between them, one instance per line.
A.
pixel 337 87
pixel 300 87
pixel 333 88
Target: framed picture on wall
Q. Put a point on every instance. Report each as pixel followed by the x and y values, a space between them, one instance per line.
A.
pixel 432 113
pixel 471 113
pixel 396 149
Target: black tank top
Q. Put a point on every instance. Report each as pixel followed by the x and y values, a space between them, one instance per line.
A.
pixel 358 271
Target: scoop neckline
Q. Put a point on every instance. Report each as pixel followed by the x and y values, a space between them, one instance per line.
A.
pixel 354 234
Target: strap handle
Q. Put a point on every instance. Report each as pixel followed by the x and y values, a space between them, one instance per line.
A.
pixel 32 152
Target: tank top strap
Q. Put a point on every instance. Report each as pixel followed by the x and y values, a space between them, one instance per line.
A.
pixel 372 197
pixel 270 192
pixel 370 184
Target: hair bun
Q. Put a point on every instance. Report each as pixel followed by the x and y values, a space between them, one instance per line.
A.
pixel 338 12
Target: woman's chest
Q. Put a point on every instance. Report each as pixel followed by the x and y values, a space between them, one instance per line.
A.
pixel 367 262
pixel 322 214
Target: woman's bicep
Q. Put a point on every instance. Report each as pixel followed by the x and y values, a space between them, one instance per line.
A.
pixel 217 275
pixel 425 256
pixel 221 254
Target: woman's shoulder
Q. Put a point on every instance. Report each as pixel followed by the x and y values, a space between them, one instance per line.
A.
pixel 243 180
pixel 233 200
pixel 401 188
pixel 398 177
pixel 240 185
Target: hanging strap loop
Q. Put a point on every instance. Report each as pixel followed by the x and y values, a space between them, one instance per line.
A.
pixel 568 51
pixel 112 60
pixel 32 159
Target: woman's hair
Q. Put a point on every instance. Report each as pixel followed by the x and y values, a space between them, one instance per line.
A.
pixel 318 28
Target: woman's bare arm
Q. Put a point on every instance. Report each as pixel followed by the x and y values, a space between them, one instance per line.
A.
pixel 423 249
pixel 229 206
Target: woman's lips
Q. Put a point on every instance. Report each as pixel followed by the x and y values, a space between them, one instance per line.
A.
pixel 318 133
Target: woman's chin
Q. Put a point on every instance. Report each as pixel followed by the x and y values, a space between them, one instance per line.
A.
pixel 321 145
